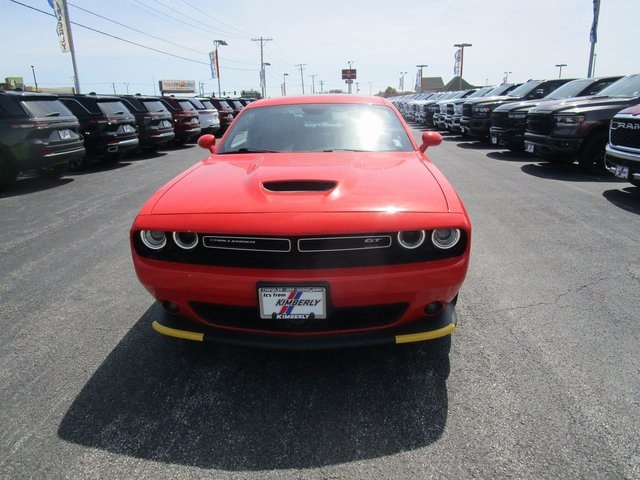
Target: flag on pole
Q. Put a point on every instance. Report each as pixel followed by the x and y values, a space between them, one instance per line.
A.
pixel 213 63
pixel 458 60
pixel 593 36
pixel 62 26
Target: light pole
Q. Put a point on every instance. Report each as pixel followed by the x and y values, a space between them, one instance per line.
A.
pixel 216 68
pixel 506 77
pixel 421 67
pixel 461 47
pixel 350 80
pixel 560 65
pixel 313 83
pixel 264 79
pixel 33 70
pixel 402 74
pixel 284 84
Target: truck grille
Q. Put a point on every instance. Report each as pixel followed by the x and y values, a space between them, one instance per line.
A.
pixel 467 110
pixel 539 123
pixel 625 133
pixel 500 119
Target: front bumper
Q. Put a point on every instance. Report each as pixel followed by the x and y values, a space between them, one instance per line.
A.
pixel 428 328
pixel 479 127
pixel 551 147
pixel 509 138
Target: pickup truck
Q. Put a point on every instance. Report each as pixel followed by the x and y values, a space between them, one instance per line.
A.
pixel 564 131
pixel 622 153
pixel 508 121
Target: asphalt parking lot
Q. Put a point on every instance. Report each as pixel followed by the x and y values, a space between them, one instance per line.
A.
pixel 541 381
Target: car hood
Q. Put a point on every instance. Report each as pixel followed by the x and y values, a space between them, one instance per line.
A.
pixel 524 105
pixel 303 182
pixel 584 104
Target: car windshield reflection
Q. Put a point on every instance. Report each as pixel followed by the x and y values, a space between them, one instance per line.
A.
pixel 317 128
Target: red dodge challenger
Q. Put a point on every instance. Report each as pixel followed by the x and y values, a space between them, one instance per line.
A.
pixel 316 222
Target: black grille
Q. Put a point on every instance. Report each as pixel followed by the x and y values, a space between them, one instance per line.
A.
pixel 369 316
pixel 625 133
pixel 500 119
pixel 467 110
pixel 450 109
pixel 315 253
pixel 539 123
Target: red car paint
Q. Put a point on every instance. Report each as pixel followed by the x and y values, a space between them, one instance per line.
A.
pixel 364 197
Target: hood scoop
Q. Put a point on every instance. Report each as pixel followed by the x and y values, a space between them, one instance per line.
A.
pixel 295 186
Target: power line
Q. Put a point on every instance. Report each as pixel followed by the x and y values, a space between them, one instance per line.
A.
pixel 247 35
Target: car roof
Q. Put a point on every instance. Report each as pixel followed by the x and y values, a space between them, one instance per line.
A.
pixel 319 99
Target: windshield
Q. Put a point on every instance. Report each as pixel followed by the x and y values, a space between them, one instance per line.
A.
pixel 480 93
pixel 523 89
pixel 198 104
pixel 625 87
pixel 317 128
pixel 500 90
pixel 155 106
pixel 113 108
pixel 46 108
pixel 570 89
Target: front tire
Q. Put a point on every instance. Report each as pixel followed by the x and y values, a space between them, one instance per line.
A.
pixel 8 175
pixel 591 157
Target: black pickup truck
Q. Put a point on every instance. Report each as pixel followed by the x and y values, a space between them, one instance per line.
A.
pixel 566 130
pixel 622 153
pixel 508 121
pixel 476 118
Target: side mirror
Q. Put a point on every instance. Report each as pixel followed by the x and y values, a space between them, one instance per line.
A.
pixel 208 142
pixel 430 139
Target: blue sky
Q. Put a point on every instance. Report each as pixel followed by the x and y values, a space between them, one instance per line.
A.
pixel 381 38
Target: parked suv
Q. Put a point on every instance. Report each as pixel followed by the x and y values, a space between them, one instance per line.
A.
pixel 154 121
pixel 207 115
pixel 479 123
pixel 108 128
pixel 37 132
pixel 225 113
pixel 508 121
pixel 186 123
pixel 622 153
pixel 566 130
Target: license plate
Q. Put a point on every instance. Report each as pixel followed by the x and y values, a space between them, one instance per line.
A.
pixel 462 129
pixel 293 303
pixel 64 134
pixel 622 172
pixel 529 147
pixel 494 139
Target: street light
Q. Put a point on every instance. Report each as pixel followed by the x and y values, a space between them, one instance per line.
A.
pixel 461 47
pixel 34 77
pixel 284 84
pixel 421 67
pixel 506 77
pixel 264 79
pixel 216 43
pixel 402 74
pixel 560 65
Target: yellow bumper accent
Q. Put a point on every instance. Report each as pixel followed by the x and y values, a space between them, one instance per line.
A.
pixel 174 332
pixel 418 337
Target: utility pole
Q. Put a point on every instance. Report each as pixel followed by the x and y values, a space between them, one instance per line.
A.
pixel 300 65
pixel 33 70
pixel 313 83
pixel 262 40
pixel 560 65
pixel 284 84
pixel 321 86
pixel 506 77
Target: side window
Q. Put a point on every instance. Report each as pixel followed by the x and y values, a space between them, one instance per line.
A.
pixel 75 107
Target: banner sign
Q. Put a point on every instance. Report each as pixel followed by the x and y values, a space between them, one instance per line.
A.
pixel 215 67
pixel 62 26
pixel 593 36
pixel 177 86
pixel 458 62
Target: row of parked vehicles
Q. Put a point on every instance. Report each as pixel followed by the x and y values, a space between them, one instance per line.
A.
pixel 52 133
pixel 594 121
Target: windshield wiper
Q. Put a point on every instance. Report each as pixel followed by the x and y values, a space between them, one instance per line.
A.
pixel 345 150
pixel 250 150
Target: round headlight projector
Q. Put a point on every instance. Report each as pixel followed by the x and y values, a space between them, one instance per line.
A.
pixel 186 240
pixel 411 239
pixel 445 238
pixel 153 239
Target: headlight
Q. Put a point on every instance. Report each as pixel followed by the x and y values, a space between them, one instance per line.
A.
pixel 445 238
pixel 186 240
pixel 411 239
pixel 153 239
pixel 517 115
pixel 570 119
